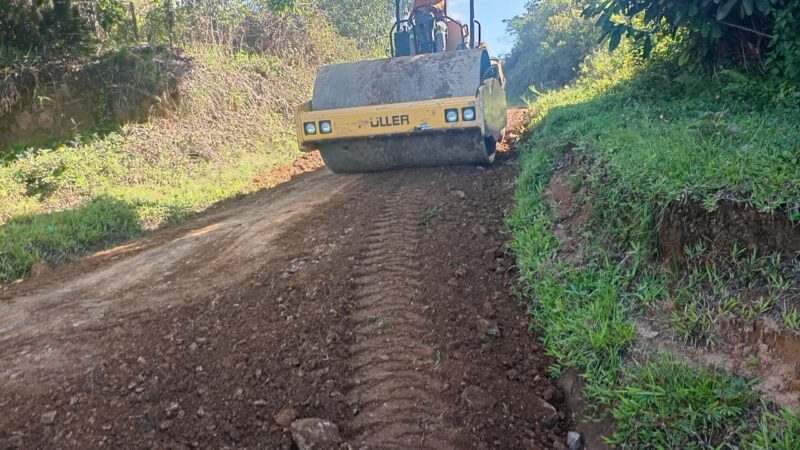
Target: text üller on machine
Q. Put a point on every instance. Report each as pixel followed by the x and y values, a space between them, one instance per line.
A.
pixel 439 100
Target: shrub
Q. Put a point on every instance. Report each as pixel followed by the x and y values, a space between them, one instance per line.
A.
pixel 552 40
pixel 54 27
pixel 718 32
pixel 785 43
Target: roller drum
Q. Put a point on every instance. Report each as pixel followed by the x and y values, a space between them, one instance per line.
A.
pixel 401 80
pixel 416 150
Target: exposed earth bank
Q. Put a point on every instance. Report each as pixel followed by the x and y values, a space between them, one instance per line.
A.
pixel 379 304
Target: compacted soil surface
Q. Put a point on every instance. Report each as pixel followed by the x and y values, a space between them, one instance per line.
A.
pixel 378 303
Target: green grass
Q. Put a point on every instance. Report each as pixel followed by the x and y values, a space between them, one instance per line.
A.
pixel 29 239
pixel 118 207
pixel 665 403
pixel 692 138
pixel 99 187
pixel 430 214
pixel 105 186
pixel 774 431
pixel 644 138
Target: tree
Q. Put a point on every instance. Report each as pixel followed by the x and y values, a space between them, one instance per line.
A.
pixel 54 27
pixel 551 41
pixel 367 21
pixel 719 32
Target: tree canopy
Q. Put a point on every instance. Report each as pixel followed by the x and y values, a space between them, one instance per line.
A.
pixel 725 33
pixel 552 40
pixel 59 27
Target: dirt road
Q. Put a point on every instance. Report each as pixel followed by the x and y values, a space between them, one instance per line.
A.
pixel 379 302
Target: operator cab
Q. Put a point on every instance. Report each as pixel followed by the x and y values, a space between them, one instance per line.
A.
pixel 428 29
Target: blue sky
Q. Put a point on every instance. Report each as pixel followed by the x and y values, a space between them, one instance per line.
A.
pixel 491 13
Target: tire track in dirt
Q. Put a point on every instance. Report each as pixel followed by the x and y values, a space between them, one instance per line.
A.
pixel 394 390
pixel 216 251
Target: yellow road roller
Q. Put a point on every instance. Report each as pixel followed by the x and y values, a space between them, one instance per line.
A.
pixel 440 100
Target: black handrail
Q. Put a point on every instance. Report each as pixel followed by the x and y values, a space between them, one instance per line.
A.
pixel 472 22
pixel 397 11
pixel 480 33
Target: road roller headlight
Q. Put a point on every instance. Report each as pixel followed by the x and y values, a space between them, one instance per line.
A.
pixel 310 127
pixel 325 127
pixel 451 115
pixel 468 114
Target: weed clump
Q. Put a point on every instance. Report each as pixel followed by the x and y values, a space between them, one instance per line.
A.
pixel 666 403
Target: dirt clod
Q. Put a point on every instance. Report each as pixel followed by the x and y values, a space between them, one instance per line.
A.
pixel 531 444
pixel 479 230
pixel 49 417
pixel 551 393
pixel 489 328
pixel 285 417
pixel 558 445
pixel 478 399
pixel 172 410
pixel 40 269
pixel 550 415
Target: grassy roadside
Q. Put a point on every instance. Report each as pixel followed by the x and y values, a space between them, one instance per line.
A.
pixel 645 139
pixel 230 126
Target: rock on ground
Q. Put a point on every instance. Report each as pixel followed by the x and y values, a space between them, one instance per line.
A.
pixel 49 418
pixel 285 417
pixel 574 441
pixel 550 415
pixel 315 434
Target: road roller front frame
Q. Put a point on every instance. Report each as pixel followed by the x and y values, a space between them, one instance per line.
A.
pixel 432 116
pixel 425 110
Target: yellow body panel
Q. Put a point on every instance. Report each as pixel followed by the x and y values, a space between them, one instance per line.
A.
pixel 386 120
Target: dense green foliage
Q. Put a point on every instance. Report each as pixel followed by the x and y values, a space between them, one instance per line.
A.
pixel 367 21
pixel 554 37
pixel 552 41
pixel 49 27
pixel 666 136
pixel 586 313
pixel 58 28
pixel 629 138
pixel 242 69
pixel 785 43
pixel 713 31
pixel 102 187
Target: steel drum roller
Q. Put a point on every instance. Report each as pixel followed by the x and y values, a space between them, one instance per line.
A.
pixel 399 80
